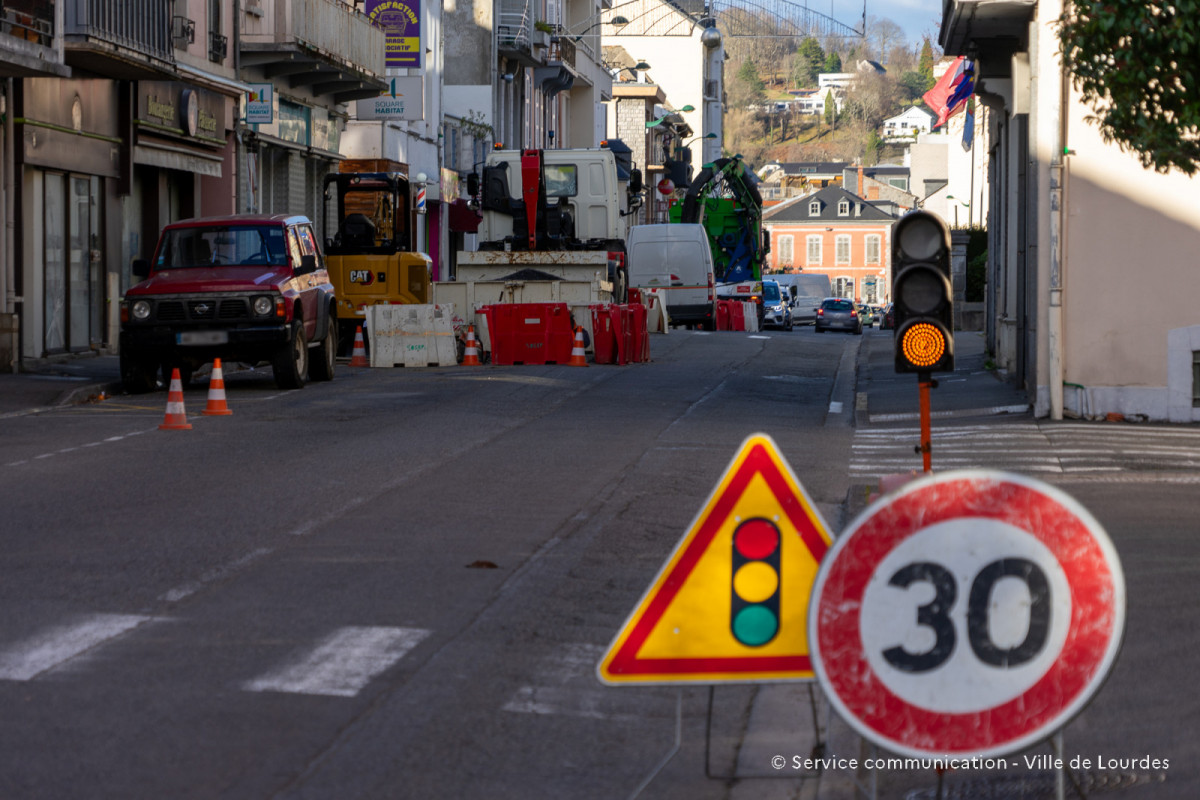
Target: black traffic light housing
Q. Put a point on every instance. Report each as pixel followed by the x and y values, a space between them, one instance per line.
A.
pixel 921 294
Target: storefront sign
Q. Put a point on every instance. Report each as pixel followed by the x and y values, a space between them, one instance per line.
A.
pixel 177 109
pixel 401 23
pixel 325 132
pixel 260 104
pixel 402 99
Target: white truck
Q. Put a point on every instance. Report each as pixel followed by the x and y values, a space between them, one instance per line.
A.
pixel 553 229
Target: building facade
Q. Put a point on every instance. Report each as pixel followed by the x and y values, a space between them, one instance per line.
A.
pixel 1079 234
pixel 836 233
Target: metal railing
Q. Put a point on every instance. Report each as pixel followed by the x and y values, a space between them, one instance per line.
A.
pixel 31 20
pixel 218 47
pixel 514 23
pixel 143 26
pixel 562 51
pixel 329 27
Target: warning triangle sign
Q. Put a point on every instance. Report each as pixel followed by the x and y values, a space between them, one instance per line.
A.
pixel 730 605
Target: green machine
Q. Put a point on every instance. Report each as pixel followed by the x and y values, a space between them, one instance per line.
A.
pixel 724 198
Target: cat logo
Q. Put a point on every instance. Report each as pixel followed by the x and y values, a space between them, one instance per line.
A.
pixel 363 276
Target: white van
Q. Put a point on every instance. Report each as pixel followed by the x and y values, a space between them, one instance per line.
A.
pixel 676 261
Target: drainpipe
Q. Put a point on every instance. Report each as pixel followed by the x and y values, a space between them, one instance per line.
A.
pixel 1057 244
pixel 8 288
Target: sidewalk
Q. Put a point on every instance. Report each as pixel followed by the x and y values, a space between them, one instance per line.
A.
pixel 970 391
pixel 48 383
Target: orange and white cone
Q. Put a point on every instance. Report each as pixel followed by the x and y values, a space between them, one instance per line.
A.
pixel 359 357
pixel 176 418
pixel 578 356
pixel 216 393
pixel 471 353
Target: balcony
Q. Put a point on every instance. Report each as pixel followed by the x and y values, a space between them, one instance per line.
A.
pixel 31 39
pixel 518 38
pixel 218 47
pixel 127 39
pixel 324 45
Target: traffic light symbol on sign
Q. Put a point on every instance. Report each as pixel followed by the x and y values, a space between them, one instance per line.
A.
pixel 922 294
pixel 754 610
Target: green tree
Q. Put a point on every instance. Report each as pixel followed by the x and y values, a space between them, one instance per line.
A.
pixel 830 110
pixel 748 88
pixel 912 86
pixel 1138 66
pixel 833 62
pixel 925 66
pixel 807 62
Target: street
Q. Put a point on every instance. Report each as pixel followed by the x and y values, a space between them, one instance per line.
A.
pixel 399 584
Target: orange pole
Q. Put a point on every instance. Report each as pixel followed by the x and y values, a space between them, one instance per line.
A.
pixel 926 434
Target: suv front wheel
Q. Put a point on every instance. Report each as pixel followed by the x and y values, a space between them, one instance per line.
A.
pixel 324 355
pixel 138 374
pixel 290 364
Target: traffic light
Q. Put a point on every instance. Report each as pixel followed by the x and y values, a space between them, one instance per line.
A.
pixel 754 611
pixel 922 294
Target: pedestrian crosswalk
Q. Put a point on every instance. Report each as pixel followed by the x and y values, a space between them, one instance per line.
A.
pixel 1038 448
pixel 338 664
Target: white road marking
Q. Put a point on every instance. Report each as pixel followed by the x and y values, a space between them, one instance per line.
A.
pixel 216 574
pixel 835 407
pixel 342 663
pixel 54 646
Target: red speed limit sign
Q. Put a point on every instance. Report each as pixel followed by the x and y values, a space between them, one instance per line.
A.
pixel 970 613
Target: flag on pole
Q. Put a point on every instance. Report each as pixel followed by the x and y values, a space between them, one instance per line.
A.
pixel 969 127
pixel 949 95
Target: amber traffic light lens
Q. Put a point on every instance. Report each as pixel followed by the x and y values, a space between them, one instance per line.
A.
pixel 923 344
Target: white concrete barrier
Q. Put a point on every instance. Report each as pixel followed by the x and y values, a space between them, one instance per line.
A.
pixel 412 335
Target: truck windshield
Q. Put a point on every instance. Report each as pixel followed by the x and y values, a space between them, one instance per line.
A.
pixel 184 248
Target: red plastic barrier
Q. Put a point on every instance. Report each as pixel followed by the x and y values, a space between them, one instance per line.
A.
pixel 639 337
pixel 530 333
pixel 604 342
pixel 737 316
pixel 620 323
pixel 723 315
pixel 635 296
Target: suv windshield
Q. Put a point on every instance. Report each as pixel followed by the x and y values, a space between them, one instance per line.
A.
pixel 183 248
pixel 771 292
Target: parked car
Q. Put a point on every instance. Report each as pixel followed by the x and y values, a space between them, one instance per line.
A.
pixel 244 288
pixel 838 314
pixel 867 314
pixel 777 307
pixel 887 320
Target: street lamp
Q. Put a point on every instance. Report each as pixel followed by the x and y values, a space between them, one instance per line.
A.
pixel 709 135
pixel 617 22
pixel 957 203
pixel 641 65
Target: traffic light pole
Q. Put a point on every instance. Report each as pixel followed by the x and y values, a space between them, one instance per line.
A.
pixel 925 383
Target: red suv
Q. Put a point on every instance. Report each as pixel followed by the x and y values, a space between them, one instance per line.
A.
pixel 246 288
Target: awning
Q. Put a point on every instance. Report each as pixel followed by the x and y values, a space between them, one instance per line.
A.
pixel 177 158
pixel 463 218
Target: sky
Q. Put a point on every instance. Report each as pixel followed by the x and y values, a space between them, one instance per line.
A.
pixel 916 17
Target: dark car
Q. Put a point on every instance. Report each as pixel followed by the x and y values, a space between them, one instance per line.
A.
pixel 838 314
pixel 887 319
pixel 243 288
pixel 777 307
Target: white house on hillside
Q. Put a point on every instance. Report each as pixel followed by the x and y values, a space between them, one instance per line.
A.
pixel 915 120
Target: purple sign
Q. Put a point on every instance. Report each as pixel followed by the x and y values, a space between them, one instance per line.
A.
pixel 401 24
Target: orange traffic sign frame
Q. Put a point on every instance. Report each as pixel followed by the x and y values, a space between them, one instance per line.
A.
pixel 686 628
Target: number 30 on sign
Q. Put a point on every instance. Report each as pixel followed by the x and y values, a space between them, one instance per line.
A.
pixel 970 613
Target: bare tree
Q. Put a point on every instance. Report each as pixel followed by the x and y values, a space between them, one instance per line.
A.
pixel 882 35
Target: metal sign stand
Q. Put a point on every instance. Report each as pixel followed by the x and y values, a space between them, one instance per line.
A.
pixel 817 751
pixel 925 383
pixel 667 758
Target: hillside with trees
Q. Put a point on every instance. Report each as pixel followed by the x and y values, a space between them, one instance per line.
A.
pixel 763 73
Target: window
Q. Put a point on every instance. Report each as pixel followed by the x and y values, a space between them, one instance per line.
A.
pixel 844 208
pixel 842 256
pixel 843 287
pixel 814 251
pixel 452 147
pixel 814 208
pixel 873 249
pixel 1195 379
pixel 561 180
pixel 785 251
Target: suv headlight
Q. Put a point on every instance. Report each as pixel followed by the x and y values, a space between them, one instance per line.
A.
pixel 263 306
pixel 140 310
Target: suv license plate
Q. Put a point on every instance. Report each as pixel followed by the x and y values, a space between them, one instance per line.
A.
pixel 202 337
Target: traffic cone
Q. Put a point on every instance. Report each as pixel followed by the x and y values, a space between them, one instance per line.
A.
pixel 471 354
pixel 216 393
pixel 359 357
pixel 176 418
pixel 578 357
